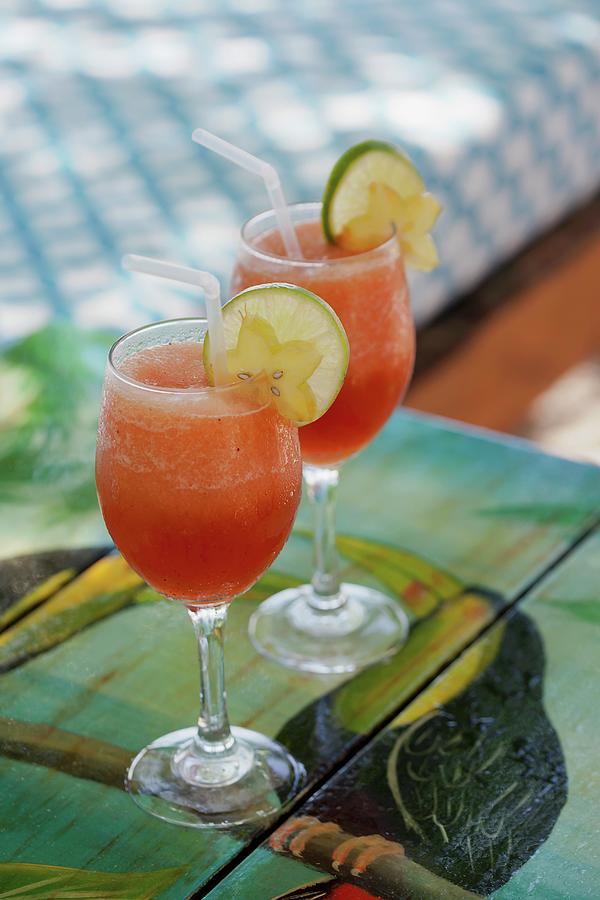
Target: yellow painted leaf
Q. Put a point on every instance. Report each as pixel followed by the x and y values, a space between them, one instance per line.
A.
pixel 431 643
pixel 418 583
pixel 100 590
pixel 35 597
pixel 454 681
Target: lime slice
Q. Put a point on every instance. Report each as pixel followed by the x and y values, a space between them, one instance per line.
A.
pixel 295 339
pixel 373 190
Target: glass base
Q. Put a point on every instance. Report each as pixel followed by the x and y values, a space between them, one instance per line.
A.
pixel 253 786
pixel 367 626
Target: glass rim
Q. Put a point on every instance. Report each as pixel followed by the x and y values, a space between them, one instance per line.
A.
pixel 365 256
pixel 156 389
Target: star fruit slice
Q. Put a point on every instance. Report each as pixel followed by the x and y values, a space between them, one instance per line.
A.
pixel 292 337
pixel 373 191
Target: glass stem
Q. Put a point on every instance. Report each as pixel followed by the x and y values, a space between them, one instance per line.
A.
pixel 321 485
pixel 212 758
pixel 214 734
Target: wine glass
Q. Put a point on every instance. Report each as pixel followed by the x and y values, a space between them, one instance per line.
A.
pixel 329 626
pixel 198 487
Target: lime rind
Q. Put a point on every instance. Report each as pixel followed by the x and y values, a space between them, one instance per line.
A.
pixel 373 188
pixel 358 168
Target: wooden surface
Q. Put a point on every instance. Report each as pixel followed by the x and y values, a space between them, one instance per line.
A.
pixel 536 262
pixel 457 525
pixel 492 376
pixel 495 760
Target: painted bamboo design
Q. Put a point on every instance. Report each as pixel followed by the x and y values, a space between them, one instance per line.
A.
pixel 64 751
pixel 322 846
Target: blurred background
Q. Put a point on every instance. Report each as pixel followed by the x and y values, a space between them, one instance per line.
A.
pixel 497 102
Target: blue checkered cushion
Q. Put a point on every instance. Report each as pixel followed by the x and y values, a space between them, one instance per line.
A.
pixel 497 101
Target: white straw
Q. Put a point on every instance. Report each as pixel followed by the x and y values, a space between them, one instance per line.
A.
pixel 267 173
pixel 212 301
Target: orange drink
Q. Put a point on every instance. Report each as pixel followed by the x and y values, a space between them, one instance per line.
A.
pixel 369 293
pixel 198 486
